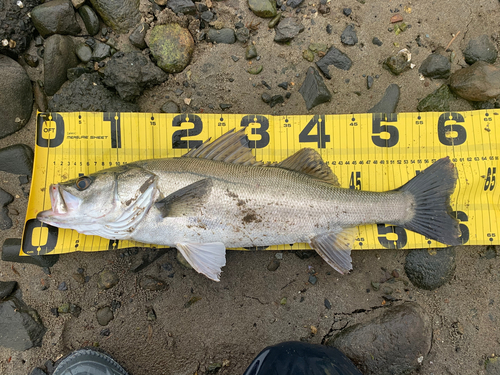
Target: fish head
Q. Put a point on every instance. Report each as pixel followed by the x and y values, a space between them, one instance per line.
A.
pixel 103 201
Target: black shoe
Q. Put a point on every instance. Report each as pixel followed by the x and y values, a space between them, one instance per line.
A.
pixel 300 358
pixel 88 362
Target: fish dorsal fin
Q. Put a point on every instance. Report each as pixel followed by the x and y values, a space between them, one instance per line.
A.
pixel 186 201
pixel 335 248
pixel 231 147
pixel 308 161
pixel 206 258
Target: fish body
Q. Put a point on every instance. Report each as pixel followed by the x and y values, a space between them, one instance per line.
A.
pixel 218 196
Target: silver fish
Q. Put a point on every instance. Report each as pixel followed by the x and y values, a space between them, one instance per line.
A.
pixel 219 196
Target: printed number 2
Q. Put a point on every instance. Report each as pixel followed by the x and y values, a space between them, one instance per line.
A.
pixel 355 181
pixel 490 179
pixel 378 129
pixel 320 137
pixel 177 137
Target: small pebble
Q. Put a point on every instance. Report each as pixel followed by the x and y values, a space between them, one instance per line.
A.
pixel 312 279
pixel 329 29
pixel 266 98
pixel 283 85
pixel 273 265
pixel 224 106
pixel 62 286
pixel 328 305
pixel 235 58
pixel 266 85
pixel 347 12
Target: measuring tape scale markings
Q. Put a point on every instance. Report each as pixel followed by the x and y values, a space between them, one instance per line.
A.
pixel 371 152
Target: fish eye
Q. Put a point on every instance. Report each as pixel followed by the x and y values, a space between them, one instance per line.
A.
pixel 83 183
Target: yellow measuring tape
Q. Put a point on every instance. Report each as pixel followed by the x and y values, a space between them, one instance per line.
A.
pixel 366 151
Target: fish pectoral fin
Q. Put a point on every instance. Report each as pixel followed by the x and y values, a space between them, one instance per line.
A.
pixel 186 201
pixel 335 248
pixel 309 162
pixel 206 258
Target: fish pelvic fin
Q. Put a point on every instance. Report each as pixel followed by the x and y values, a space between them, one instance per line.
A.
pixel 186 201
pixel 310 162
pixel 335 248
pixel 431 190
pixel 205 258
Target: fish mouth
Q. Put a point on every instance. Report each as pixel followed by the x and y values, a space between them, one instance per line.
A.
pixel 62 203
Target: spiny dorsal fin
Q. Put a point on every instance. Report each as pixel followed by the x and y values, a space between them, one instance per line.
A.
pixel 308 161
pixel 231 147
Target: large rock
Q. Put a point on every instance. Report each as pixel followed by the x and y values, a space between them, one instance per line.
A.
pixel 172 46
pixel 263 8
pixel 287 29
pixel 389 344
pixel 480 49
pixel 130 73
pixel 90 19
pixel 438 101
pixel 435 66
pixel 16 96
pixel 314 90
pixel 120 15
pixel 58 58
pixel 88 93
pixel 336 58
pixel 389 101
pixel 430 270
pixel 478 83
pixel 20 326
pixel 17 159
pixel 55 17
pixel 16 26
pixel 5 199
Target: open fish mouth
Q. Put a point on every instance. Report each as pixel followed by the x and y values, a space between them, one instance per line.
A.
pixel 62 202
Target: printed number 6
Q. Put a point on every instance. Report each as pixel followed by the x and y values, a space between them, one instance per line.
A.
pixel 446 132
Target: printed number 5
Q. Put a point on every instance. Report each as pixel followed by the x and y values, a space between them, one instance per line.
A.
pixel 377 129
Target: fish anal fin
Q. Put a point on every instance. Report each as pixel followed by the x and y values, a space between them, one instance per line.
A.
pixel 186 201
pixel 335 248
pixel 231 147
pixel 205 258
pixel 309 162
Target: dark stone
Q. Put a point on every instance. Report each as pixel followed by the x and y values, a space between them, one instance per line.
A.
pixel 347 12
pixel 87 93
pixel 438 101
pixel 62 286
pixel 130 73
pixel 275 100
pixel 287 29
pixel 16 26
pixel 480 49
pixel 105 332
pixel 224 106
pixel 288 94
pixel 101 51
pixel 376 41
pixel 389 101
pixel 17 159
pixel 225 36
pixel 266 98
pixel 435 66
pixel 83 52
pixel 120 15
pixel 75 73
pixel 242 34
pixel 294 3
pixel 104 315
pixel 349 36
pixel 403 333
pixel 137 37
pixel 336 58
pixel 312 279
pixel 207 16
pixel 107 279
pixel 31 60
pixel 283 85
pixel 6 288
pixel 58 58
pixel 478 83
pixel 314 90
pixel 428 271
pixel 263 8
pixel 37 371
pixel 170 107
pixel 328 304
pixel 181 6
pixel 152 283
pixel 250 52
pixel 90 19
pixel 16 96
pixel 398 63
pixel 369 82
pixel 40 97
pixel 55 17
pixel 22 328
pixel 329 29
pixel 5 199
pixel 273 265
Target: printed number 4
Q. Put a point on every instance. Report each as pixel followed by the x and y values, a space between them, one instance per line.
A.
pixel 320 137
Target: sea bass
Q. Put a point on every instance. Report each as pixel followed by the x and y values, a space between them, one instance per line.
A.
pixel 218 196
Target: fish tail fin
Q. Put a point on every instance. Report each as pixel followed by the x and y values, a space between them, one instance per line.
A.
pixel 431 190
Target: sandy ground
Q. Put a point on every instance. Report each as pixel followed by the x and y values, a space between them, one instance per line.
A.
pixel 236 318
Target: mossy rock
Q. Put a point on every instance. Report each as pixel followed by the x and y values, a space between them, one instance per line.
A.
pixel 172 46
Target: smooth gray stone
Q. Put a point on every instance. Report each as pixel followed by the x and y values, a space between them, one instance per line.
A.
pixel 435 66
pixel 480 49
pixel 314 90
pixel 90 19
pixel 17 159
pixel 55 17
pixel 336 58
pixel 120 15
pixel 225 36
pixel 58 58
pixel 389 101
